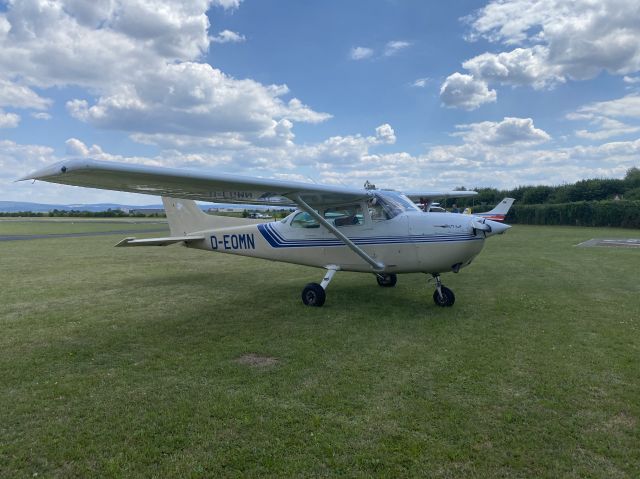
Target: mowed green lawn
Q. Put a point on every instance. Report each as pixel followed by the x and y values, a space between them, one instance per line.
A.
pixel 164 362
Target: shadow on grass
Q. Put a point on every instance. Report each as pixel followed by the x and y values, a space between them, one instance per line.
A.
pixel 352 293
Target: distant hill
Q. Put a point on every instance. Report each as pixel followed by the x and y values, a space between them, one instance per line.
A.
pixel 15 206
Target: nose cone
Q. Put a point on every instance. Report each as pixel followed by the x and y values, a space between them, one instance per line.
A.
pixel 497 228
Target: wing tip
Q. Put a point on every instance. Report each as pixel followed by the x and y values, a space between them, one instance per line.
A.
pixel 59 168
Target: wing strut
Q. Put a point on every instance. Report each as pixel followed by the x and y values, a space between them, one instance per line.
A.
pixel 352 246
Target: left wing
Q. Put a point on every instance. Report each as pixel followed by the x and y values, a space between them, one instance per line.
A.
pixel 193 185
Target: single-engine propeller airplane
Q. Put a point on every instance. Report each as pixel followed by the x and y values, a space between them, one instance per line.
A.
pixel 369 230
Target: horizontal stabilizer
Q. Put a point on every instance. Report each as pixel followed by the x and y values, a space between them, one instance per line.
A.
pixel 158 241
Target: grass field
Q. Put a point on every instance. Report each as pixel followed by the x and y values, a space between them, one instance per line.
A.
pixel 163 362
pixel 11 226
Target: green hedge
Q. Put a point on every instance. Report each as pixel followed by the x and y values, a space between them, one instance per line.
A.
pixel 623 214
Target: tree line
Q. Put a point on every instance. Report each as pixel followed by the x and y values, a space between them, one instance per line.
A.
pixel 594 202
pixel 627 188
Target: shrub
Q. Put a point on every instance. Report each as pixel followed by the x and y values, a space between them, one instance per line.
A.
pixel 623 214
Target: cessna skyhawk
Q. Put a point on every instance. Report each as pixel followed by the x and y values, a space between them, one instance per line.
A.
pixel 369 230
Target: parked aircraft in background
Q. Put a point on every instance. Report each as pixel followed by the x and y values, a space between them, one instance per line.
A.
pixel 426 202
pixel 496 214
pixel 336 228
pixel 259 216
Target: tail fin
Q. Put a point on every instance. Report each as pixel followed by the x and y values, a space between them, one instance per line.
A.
pixel 501 208
pixel 499 212
pixel 185 217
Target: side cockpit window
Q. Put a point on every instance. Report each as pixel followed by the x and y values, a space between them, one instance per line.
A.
pixel 350 215
pixel 377 211
pixel 385 205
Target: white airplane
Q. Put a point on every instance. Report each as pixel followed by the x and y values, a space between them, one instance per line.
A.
pixel 380 232
pixel 496 214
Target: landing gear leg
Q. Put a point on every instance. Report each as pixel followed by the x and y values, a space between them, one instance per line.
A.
pixel 442 296
pixel 314 294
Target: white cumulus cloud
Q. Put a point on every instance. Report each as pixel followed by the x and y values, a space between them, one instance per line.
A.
pixel 605 117
pixel 393 47
pixel 360 53
pixel 627 106
pixel 227 4
pixel 20 96
pixel 522 66
pixel 8 120
pixel 465 91
pixel 509 131
pixel 555 40
pixel 140 62
pixel 193 99
pixel 385 134
pixel 227 36
pixel 41 115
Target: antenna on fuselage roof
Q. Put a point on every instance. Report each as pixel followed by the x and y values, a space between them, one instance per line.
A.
pixel 369 186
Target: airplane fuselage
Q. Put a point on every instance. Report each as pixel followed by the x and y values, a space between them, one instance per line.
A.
pixel 409 242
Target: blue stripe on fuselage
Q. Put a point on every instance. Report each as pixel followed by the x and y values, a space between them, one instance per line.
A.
pixel 277 241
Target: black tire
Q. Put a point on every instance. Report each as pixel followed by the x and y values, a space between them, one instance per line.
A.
pixel 447 299
pixel 313 295
pixel 387 280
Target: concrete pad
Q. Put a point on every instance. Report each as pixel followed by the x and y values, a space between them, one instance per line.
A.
pixel 616 242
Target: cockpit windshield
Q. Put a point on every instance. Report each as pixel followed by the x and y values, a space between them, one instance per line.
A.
pixel 392 203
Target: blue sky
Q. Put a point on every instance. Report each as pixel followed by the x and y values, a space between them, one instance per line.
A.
pixel 405 94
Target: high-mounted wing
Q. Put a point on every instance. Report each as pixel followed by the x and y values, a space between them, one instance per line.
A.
pixel 429 196
pixel 193 185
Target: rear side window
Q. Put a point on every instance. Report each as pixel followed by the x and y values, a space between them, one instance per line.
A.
pixel 304 220
pixel 345 215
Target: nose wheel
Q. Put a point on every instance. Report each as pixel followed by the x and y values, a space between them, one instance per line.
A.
pixel 387 280
pixel 442 296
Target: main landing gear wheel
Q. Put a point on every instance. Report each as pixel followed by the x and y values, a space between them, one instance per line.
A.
pixel 387 280
pixel 444 297
pixel 313 295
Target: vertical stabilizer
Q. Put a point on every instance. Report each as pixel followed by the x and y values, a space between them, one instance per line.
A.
pixel 186 217
pixel 501 208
